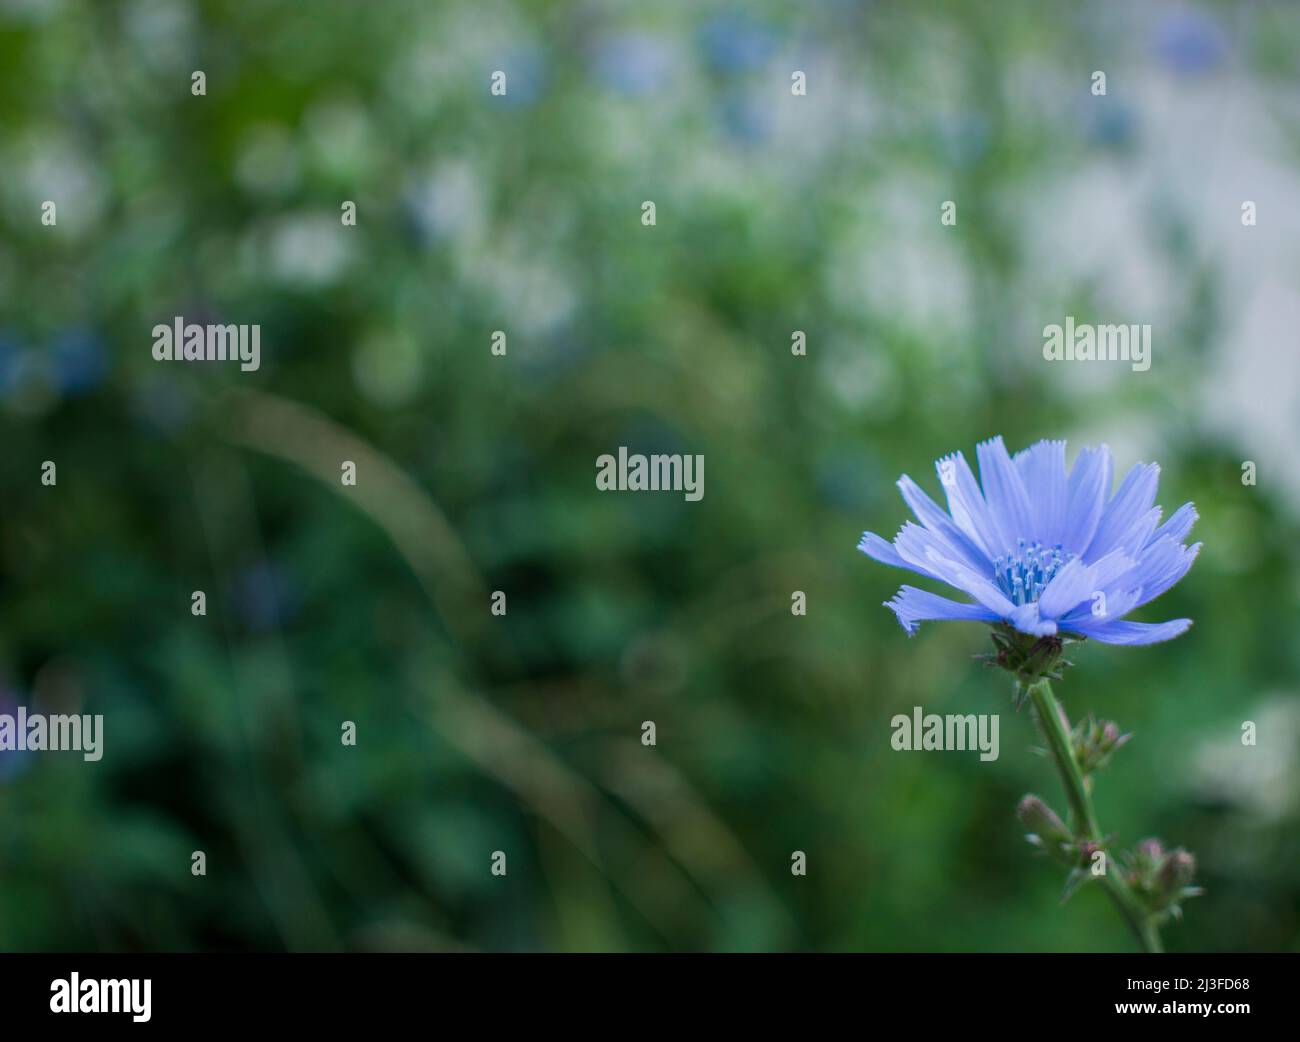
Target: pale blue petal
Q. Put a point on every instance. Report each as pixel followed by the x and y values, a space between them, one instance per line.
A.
pixel 881 550
pixel 934 518
pixel 1042 469
pixel 1178 526
pixel 1077 583
pixel 966 504
pixel 1120 631
pixel 1110 569
pixel 1115 604
pixel 1161 572
pixel 1072 584
pixel 1140 534
pixel 913 606
pixel 1026 619
pixel 877 548
pixel 1086 497
pixel 1004 492
pixel 922 549
pixel 1128 508
pixel 977 584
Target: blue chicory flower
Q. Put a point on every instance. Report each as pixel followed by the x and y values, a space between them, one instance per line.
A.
pixel 1040 550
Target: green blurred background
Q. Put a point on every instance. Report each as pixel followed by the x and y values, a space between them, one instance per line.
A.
pixel 476 473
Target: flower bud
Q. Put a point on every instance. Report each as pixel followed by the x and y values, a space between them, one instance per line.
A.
pixel 1038 817
pixel 1151 850
pixel 1177 872
pixel 1029 658
pixel 1162 879
pixel 1094 742
pixel 1044 829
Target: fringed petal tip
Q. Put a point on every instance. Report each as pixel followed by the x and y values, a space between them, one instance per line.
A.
pixel 945 466
pixel 1178 526
pixel 913 606
pixel 1052 443
pixel 881 550
pixel 908 628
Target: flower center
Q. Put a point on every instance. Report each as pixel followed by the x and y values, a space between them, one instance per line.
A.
pixel 1023 573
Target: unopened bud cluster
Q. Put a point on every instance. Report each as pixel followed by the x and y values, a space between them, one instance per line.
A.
pixel 1029 659
pixel 1047 832
pixel 1094 741
pixel 1161 878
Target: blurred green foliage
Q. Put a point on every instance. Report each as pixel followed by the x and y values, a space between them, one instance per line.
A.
pixel 522 213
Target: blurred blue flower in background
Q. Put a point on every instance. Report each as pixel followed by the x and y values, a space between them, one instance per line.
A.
pixel 162 404
pixel 10 361
pixel 744 119
pixel 1112 124
pixel 736 42
pixel 558 354
pixel 965 139
pixel 264 598
pixel 635 63
pixel 527 72
pixel 12 761
pixel 80 361
pixel 1190 42
pixel 26 382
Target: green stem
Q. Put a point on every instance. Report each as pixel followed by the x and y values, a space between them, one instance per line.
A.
pixel 1051 720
